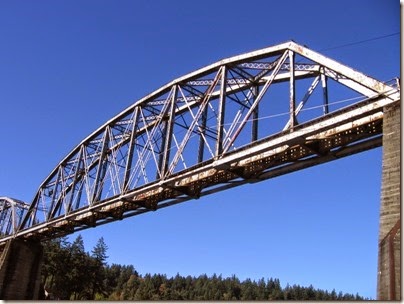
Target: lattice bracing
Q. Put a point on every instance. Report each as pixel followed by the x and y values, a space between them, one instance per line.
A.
pixel 11 214
pixel 242 119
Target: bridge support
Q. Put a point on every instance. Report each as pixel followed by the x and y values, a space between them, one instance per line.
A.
pixel 20 270
pixel 389 263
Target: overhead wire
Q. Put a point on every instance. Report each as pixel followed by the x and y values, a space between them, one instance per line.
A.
pixel 335 102
pixel 359 42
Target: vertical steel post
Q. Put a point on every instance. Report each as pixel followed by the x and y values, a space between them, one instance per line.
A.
pixel 254 128
pixel 220 119
pixel 159 172
pixel 3 216
pixel 325 93
pixel 128 166
pixel 76 175
pixel 304 100
pixel 168 135
pixel 13 217
pixel 101 168
pixel 292 105
pixel 50 213
pixel 275 71
pixel 202 129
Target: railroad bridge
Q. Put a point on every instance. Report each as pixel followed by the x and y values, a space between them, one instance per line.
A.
pixel 240 120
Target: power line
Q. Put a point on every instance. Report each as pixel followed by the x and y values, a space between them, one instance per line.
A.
pixel 359 42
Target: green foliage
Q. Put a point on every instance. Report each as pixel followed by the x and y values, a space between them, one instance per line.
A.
pixel 99 253
pixel 71 273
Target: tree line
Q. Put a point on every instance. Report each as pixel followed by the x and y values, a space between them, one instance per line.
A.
pixel 71 273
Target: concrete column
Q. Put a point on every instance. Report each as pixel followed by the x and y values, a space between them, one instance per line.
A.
pixel 389 262
pixel 20 270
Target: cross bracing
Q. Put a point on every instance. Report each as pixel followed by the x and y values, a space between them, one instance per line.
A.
pixel 240 120
pixel 11 213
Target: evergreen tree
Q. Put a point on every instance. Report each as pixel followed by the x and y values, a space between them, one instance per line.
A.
pixel 71 273
pixel 310 292
pixel 99 255
pixel 99 252
pixel 81 270
pixel 248 291
pixel 77 247
pixel 55 269
pixel 333 295
pixel 262 290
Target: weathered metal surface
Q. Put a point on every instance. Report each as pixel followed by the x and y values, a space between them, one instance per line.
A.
pixel 207 131
pixel 11 213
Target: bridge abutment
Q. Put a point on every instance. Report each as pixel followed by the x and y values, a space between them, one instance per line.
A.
pixel 20 270
pixel 389 260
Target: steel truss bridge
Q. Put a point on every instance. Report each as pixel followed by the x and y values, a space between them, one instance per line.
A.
pixel 240 120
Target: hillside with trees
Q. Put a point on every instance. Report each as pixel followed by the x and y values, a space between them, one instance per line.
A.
pixel 71 273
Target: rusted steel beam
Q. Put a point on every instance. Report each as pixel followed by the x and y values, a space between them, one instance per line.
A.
pixel 140 160
pixel 221 114
pixel 278 159
pixel 292 91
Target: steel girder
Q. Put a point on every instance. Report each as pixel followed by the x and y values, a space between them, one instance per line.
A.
pixel 11 214
pixel 242 119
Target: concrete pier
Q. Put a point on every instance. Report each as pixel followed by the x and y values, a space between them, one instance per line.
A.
pixel 389 263
pixel 20 270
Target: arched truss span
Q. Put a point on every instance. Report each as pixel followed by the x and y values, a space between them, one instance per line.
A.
pixel 11 214
pixel 242 119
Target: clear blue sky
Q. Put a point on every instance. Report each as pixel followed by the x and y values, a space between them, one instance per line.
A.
pixel 66 67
